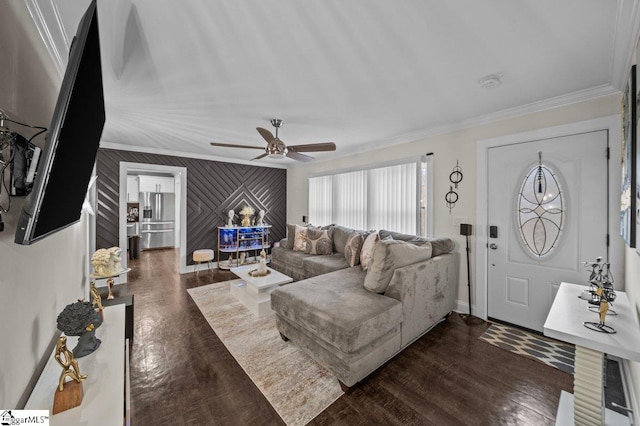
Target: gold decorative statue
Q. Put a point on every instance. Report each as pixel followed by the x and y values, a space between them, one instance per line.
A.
pixel 68 363
pixel 246 214
pixel 96 299
pixel 604 305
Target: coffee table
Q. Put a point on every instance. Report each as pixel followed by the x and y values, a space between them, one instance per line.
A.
pixel 255 292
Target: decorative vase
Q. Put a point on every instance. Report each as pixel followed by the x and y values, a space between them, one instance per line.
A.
pixel 246 220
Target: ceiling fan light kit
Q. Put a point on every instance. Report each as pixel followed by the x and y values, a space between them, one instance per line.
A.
pixel 277 149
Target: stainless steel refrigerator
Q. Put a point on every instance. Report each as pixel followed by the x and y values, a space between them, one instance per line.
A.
pixel 157 225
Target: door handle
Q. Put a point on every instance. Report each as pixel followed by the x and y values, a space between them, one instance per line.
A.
pixel 493 246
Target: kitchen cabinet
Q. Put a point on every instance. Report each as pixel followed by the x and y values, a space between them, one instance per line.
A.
pixel 133 188
pixel 157 184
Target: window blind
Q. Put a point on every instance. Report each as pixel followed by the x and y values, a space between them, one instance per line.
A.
pixel 376 198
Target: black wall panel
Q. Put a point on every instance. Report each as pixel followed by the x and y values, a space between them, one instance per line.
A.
pixel 213 188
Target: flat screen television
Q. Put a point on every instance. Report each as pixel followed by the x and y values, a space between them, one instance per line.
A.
pixel 71 145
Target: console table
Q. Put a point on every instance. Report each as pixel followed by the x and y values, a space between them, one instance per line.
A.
pixel 234 240
pixel 106 395
pixel 565 322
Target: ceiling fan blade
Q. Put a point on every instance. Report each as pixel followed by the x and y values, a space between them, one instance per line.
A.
pixel 267 135
pixel 298 156
pixel 260 156
pixel 313 147
pixel 230 145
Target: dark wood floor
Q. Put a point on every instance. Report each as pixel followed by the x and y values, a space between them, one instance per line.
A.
pixel 181 373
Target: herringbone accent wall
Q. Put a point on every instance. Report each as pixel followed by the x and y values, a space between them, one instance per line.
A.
pixel 213 188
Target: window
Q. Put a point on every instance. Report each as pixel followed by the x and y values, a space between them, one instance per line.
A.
pixel 394 197
pixel 541 209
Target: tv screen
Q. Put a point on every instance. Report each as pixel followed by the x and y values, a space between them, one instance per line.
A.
pixel 66 163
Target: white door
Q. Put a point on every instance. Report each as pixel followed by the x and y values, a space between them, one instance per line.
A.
pixel 545 227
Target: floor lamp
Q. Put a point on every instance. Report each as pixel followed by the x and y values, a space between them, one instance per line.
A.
pixel 466 230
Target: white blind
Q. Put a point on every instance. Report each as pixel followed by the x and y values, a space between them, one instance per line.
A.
pixel 378 198
pixel 393 201
pixel 320 200
pixel 350 208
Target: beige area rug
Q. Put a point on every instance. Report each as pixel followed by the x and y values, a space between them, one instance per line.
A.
pixel 297 387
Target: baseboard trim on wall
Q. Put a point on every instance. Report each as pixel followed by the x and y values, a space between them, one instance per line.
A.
pixel 462 307
pixel 199 267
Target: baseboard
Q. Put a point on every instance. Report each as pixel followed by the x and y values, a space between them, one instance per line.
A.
pixel 462 307
pixel 199 267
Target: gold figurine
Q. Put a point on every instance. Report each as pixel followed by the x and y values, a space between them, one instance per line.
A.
pixel 68 363
pixel 96 299
pixel 604 305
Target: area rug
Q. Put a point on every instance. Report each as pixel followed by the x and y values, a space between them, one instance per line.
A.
pixel 548 351
pixel 295 385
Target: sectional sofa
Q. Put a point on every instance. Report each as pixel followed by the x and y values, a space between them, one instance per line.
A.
pixel 352 320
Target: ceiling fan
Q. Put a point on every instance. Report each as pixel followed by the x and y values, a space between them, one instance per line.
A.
pixel 277 149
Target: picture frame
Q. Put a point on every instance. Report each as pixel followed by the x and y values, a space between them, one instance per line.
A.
pixel 628 193
pixel 133 212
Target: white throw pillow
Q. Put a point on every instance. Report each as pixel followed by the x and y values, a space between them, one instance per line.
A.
pixel 388 255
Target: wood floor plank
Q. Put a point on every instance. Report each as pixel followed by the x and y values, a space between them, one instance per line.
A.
pixel 448 376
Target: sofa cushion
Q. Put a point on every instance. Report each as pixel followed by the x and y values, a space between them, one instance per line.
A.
pixel 438 245
pixel 337 309
pixel 367 249
pixel 389 255
pixel 318 265
pixel 318 241
pixel 340 235
pixel 288 256
pixel 352 248
pixel 291 235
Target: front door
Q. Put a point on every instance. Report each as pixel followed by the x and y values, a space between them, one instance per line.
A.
pixel 547 208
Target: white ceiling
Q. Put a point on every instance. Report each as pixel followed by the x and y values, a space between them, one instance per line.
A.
pixel 363 74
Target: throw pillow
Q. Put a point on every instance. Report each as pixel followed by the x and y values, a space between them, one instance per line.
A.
pixel 300 238
pixel 389 255
pixel 339 235
pixel 318 241
pixel 352 248
pixel 367 249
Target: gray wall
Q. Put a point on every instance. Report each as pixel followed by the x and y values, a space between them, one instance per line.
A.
pixel 213 188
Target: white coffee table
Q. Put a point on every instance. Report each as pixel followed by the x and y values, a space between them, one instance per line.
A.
pixel 255 292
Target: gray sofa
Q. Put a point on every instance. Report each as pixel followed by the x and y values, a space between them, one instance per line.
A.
pixel 300 265
pixel 352 329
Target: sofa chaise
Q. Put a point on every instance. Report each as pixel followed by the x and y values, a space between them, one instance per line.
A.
pixel 352 320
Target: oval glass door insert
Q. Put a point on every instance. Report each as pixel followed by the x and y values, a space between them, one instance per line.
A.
pixel 541 210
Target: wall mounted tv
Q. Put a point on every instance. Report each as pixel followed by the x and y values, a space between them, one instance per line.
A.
pixel 66 164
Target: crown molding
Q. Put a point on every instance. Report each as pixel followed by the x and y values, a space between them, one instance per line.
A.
pixel 46 16
pixel 627 28
pixel 546 104
pixel 147 150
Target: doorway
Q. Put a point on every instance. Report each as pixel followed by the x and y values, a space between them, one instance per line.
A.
pixel 545 216
pixel 180 178
pixel 501 262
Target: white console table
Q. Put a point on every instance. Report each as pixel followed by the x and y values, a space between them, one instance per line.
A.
pixel 104 389
pixel 565 322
